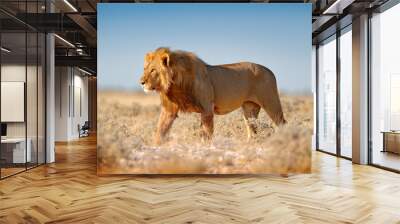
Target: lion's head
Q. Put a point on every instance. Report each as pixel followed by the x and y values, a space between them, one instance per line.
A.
pixel 172 74
pixel 157 73
pixel 164 68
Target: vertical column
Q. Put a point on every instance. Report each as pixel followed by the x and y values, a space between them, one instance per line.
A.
pixel 360 90
pixel 92 100
pixel 338 109
pixel 314 91
pixel 50 92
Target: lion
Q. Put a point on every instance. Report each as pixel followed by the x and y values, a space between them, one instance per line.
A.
pixel 186 83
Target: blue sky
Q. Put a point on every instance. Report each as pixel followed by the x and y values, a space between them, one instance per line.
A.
pixel 277 36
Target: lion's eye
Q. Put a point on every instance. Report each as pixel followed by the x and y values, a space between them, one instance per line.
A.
pixel 152 70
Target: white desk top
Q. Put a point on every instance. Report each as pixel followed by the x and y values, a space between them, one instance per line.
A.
pixel 13 140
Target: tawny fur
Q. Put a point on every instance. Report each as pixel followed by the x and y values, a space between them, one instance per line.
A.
pixel 186 83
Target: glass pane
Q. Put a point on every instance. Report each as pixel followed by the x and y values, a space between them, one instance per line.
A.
pixel 31 100
pixel 41 98
pixel 313 84
pixel 386 89
pixel 346 93
pixel 13 87
pixel 327 96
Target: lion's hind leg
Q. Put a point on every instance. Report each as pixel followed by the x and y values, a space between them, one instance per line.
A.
pixel 250 114
pixel 272 105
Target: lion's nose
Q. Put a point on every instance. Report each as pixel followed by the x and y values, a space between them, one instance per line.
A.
pixel 142 82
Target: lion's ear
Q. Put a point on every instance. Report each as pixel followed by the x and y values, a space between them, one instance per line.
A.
pixel 149 57
pixel 165 59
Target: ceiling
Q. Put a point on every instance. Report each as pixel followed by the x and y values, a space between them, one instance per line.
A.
pixel 75 22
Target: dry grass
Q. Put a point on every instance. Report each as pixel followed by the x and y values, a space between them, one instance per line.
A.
pixel 127 121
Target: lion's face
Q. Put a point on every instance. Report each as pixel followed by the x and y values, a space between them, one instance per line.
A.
pixel 150 79
pixel 155 74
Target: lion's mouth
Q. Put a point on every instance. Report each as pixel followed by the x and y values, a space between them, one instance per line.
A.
pixel 148 89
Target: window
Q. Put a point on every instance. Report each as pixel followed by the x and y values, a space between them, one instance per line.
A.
pixel 346 95
pixel 15 150
pixel 22 79
pixel 327 95
pixel 385 89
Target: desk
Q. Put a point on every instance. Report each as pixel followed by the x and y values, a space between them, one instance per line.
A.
pixel 16 148
pixel 391 141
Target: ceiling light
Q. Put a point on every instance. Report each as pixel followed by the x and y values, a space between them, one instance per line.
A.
pixel 65 41
pixel 70 5
pixel 5 50
pixel 338 6
pixel 79 51
pixel 84 71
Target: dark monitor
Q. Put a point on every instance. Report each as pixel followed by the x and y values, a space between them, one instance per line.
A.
pixel 3 129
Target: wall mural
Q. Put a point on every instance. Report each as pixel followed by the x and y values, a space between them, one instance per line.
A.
pixel 204 88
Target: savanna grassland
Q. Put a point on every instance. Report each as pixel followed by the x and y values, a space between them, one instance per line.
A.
pixel 127 122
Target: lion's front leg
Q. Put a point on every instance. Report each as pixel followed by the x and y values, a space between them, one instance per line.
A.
pixel 207 123
pixel 164 124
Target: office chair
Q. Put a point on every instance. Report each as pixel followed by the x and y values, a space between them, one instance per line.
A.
pixel 84 130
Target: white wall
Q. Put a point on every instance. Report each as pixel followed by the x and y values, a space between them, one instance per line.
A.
pixel 33 126
pixel 62 82
pixel 71 87
pixel 81 89
pixel 12 73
